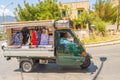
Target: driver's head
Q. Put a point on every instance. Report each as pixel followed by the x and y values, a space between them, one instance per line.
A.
pixel 66 35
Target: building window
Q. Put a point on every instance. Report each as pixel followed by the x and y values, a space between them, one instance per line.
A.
pixel 63 13
pixel 79 11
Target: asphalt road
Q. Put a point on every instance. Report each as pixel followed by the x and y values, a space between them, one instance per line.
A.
pixel 105 66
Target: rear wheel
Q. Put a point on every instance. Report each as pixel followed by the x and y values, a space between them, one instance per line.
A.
pixel 86 63
pixel 26 66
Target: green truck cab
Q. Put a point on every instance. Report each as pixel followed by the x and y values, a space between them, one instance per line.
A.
pixel 67 49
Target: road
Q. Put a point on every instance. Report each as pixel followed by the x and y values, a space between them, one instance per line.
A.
pixel 105 66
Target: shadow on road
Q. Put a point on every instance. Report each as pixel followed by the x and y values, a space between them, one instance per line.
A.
pixel 54 68
pixel 102 59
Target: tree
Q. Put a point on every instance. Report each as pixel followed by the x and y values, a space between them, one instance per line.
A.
pixel 86 18
pixel 90 18
pixel 47 9
pixel 100 25
pixel 106 10
pixel 83 19
pixel 76 23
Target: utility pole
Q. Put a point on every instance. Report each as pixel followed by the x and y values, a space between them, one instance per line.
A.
pixel 4 10
pixel 118 16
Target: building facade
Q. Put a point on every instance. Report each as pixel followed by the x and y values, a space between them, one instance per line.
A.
pixel 116 2
pixel 73 9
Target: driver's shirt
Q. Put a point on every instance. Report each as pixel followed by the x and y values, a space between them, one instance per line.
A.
pixel 65 41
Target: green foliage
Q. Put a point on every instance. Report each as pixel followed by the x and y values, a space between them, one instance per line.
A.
pixel 85 18
pixel 100 25
pixel 90 18
pixel 76 23
pixel 47 9
pixel 106 10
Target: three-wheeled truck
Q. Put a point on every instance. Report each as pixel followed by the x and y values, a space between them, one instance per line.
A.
pixel 61 52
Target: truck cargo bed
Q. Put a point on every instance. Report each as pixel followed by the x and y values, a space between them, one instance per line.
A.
pixel 32 52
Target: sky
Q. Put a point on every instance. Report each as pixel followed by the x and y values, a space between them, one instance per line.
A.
pixel 11 7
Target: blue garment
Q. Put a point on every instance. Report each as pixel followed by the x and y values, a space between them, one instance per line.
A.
pixel 17 38
pixel 44 39
pixel 65 41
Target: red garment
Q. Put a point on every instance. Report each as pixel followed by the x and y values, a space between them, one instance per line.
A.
pixel 34 40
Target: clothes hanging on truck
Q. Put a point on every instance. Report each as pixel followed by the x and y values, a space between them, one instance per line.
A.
pixel 38 36
pixel 50 39
pixel 26 35
pixel 17 38
pixel 44 37
pixel 33 38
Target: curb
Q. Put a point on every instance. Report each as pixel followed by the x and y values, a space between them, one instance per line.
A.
pixel 102 44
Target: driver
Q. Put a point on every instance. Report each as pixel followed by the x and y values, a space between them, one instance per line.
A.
pixel 68 45
pixel 64 38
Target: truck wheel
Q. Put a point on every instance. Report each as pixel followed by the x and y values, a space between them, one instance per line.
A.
pixel 26 66
pixel 86 63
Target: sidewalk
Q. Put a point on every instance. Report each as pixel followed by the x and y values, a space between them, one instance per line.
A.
pixel 102 44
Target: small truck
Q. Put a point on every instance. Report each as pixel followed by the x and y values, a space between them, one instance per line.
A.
pixel 63 51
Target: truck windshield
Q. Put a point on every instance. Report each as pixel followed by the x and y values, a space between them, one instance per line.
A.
pixel 75 34
pixel 77 37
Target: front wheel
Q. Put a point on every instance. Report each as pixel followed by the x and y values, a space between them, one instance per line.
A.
pixel 26 66
pixel 86 63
